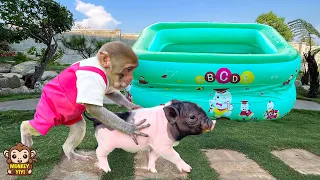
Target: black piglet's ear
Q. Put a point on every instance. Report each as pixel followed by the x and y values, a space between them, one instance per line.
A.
pixel 174 101
pixel 171 113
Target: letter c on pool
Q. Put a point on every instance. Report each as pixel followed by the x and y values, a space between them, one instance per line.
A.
pixel 223 75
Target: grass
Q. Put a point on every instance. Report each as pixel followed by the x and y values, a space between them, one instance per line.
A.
pixel 299 129
pixel 302 94
pixel 49 148
pixel 7 60
pixel 57 67
pixel 13 97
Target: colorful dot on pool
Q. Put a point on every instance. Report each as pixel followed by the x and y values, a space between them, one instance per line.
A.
pixel 247 77
pixel 167 89
pixel 179 81
pixel 199 79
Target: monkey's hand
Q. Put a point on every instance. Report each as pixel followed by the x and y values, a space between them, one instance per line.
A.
pixel 139 126
pixel 113 121
pixel 121 100
pixel 136 107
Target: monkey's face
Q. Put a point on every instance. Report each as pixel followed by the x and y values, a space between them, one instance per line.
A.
pixel 119 61
pixel 121 74
pixel 20 156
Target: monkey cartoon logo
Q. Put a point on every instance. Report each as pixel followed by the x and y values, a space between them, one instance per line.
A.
pixel 20 159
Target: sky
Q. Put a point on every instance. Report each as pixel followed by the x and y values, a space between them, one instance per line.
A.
pixel 132 16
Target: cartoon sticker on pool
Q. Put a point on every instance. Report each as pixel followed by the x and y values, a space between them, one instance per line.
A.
pixel 288 81
pixel 271 113
pixel 220 104
pixel 142 80
pixel 245 113
pixel 169 74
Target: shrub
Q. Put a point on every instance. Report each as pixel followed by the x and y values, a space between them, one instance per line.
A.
pixel 4 45
pixel 20 58
pixel 53 60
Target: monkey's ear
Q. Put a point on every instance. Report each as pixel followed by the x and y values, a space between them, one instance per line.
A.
pixel 6 153
pixel 104 59
pixel 33 153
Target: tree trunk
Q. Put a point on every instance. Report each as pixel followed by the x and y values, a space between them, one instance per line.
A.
pixel 305 77
pixel 51 49
pixel 314 75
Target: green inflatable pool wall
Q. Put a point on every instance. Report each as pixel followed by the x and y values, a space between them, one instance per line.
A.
pixel 233 71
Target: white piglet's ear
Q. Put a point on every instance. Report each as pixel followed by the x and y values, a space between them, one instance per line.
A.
pixel 171 113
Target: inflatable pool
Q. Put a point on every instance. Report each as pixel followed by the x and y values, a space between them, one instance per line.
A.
pixel 233 71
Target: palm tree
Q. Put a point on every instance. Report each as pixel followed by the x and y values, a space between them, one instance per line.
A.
pixel 302 29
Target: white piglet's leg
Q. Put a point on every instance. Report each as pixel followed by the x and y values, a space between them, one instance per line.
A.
pixel 102 156
pixel 152 158
pixel 172 156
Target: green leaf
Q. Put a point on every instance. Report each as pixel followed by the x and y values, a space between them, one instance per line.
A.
pixel 315 51
pixel 85 46
pixel 277 23
pixel 40 19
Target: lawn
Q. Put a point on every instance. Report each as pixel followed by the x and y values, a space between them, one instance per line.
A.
pixel 57 67
pixel 302 94
pixel 13 97
pixel 8 60
pixel 299 129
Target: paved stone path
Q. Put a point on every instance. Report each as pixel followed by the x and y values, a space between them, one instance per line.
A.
pixel 166 169
pixel 307 105
pixel 29 104
pixel 234 165
pixel 300 160
pixel 76 170
pixel 3 169
pixel 231 165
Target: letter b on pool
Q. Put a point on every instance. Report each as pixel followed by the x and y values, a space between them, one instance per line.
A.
pixel 210 77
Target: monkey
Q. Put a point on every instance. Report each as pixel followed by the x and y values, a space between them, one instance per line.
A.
pixel 20 159
pixel 82 86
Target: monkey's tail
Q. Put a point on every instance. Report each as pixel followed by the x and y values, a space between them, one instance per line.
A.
pixel 95 121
